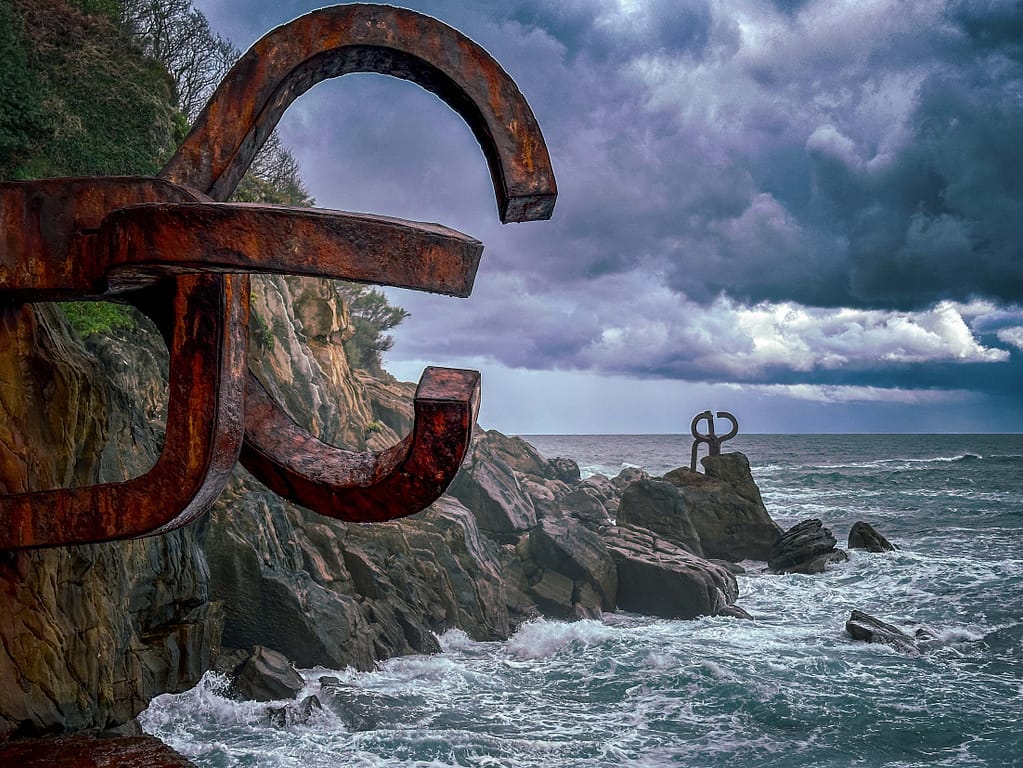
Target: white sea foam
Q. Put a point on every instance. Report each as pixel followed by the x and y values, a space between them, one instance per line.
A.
pixel 541 638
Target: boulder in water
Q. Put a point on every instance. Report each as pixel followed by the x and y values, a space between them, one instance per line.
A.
pixel 726 508
pixel 266 675
pixel 806 547
pixel 864 536
pixel 863 626
pixel 293 714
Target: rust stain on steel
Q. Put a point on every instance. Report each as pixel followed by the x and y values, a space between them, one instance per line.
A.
pixel 367 486
pixel 173 248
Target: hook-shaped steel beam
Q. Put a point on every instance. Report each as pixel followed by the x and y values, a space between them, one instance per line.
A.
pixel 164 245
pixel 343 39
pixel 206 319
pixel 370 486
pixel 285 63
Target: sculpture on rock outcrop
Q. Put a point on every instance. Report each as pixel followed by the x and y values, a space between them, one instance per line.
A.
pixel 712 440
pixel 170 246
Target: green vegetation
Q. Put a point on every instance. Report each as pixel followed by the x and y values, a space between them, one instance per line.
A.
pixel 86 100
pixel 89 317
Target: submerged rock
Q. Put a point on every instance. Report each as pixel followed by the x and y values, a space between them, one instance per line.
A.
pixel 294 714
pixel 864 536
pixel 807 547
pixel 863 626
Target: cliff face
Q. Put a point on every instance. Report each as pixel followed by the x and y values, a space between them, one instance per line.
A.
pixel 90 634
pixel 324 591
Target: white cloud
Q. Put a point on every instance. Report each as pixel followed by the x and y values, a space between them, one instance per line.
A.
pixel 819 393
pixel 1012 336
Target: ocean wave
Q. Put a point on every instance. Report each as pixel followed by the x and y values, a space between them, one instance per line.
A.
pixel 541 638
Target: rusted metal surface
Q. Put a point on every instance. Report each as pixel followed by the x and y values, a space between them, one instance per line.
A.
pixel 156 239
pixel 710 438
pixel 207 318
pixel 370 486
pixel 344 39
pixel 173 248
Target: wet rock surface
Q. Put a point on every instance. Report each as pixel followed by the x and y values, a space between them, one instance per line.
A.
pixel 807 547
pixel 862 626
pixel 82 751
pixel 659 578
pixel 863 536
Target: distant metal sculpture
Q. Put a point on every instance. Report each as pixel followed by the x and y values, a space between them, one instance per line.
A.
pixel 712 439
pixel 169 246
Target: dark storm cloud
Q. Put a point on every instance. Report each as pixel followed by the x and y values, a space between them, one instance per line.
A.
pixel 929 211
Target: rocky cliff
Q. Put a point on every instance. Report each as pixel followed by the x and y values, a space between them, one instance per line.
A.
pixel 90 634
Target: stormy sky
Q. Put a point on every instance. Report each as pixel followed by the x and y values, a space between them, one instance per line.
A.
pixel 807 213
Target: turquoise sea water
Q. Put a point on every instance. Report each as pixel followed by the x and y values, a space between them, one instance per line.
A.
pixel 787 689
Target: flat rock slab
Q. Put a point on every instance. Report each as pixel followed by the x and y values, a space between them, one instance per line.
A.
pixel 92 752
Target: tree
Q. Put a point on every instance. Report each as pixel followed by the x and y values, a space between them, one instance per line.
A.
pixel 179 37
pixel 371 315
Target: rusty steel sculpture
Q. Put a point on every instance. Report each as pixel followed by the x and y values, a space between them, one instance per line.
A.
pixel 174 249
pixel 712 440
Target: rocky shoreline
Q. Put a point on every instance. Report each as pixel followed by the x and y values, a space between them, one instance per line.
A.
pixel 92 633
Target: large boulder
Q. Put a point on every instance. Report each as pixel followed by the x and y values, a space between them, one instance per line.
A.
pixel 586 505
pixel 864 536
pixel 807 547
pixel 658 578
pixel 487 485
pixel 567 549
pixel 566 470
pixel 266 675
pixel 517 454
pixel 726 508
pixel 660 507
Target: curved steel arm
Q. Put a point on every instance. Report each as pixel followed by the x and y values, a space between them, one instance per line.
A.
pixel 199 314
pixel 370 486
pixel 336 41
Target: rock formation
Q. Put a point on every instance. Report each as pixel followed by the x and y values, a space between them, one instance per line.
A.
pixel 657 577
pixel 91 633
pixel 863 626
pixel 806 547
pixel 863 536
pixel 726 508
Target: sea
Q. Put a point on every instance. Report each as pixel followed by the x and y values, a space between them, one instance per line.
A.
pixel 788 688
